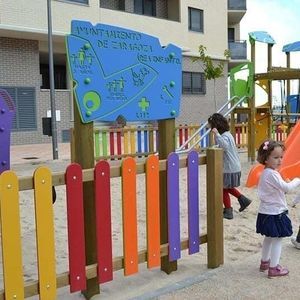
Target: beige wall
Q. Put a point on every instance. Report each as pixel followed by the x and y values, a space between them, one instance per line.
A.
pixel 20 68
pixel 215 26
pixel 195 108
pixel 31 15
pixel 236 31
pixel 25 21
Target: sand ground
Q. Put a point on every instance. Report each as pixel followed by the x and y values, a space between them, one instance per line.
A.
pixel 238 278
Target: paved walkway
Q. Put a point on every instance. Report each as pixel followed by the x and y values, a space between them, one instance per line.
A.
pixel 20 154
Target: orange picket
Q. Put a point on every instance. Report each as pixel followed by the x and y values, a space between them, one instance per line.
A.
pixel 152 207
pixel 129 208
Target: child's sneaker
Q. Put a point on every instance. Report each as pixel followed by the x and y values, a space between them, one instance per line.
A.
pixel 277 271
pixel 264 265
pixel 294 242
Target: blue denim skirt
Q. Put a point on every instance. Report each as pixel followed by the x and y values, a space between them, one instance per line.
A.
pixel 274 225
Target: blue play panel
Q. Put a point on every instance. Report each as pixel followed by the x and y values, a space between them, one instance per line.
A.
pixel 120 72
pixel 261 36
pixel 293 102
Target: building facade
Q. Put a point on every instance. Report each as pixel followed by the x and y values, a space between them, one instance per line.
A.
pixel 24 63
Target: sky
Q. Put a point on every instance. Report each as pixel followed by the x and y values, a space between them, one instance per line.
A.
pixel 281 19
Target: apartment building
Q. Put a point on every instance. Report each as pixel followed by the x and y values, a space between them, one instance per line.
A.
pixel 24 70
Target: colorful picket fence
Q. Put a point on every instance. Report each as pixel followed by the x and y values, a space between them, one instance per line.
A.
pixel 116 143
pixel 279 133
pixel 183 133
pixel 241 135
pixel 141 141
pixel 73 178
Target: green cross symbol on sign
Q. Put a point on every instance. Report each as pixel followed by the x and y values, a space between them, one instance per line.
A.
pixel 144 104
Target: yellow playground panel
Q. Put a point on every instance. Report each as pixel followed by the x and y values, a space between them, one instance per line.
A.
pixel 261 125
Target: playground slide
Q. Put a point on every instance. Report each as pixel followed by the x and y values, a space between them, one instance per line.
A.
pixel 292 153
pixel 253 175
pixel 292 135
pixel 291 171
pixel 290 167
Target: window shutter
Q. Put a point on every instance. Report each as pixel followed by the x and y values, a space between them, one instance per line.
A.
pixel 203 83
pixel 12 93
pixel 26 108
pixel 25 104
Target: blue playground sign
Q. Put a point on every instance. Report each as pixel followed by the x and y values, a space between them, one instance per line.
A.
pixel 120 72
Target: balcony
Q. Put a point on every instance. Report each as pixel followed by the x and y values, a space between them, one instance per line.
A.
pixel 238 53
pixel 237 5
pixel 238 50
pixel 236 10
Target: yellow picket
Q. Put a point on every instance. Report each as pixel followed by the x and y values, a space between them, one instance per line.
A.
pixel 45 233
pixel 11 236
pixel 126 140
pixel 132 142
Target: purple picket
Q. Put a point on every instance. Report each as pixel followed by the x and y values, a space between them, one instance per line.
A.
pixel 193 202
pixel 7 113
pixel 173 206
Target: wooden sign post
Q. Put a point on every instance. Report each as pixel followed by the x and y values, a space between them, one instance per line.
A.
pixel 166 129
pixel 84 155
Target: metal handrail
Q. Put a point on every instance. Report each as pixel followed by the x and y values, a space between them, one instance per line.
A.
pixel 204 125
pixel 180 150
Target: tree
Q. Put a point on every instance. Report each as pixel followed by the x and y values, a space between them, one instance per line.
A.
pixel 211 71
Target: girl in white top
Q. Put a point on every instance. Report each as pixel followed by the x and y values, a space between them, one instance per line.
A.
pixel 272 219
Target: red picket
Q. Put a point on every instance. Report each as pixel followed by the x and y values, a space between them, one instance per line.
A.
pixel 76 238
pixel 103 221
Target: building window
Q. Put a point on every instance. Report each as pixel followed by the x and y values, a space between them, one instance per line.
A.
pixel 80 1
pixel 60 81
pixel 193 83
pixel 24 99
pixel 121 5
pixel 113 4
pixel 145 7
pixel 231 35
pixel 195 19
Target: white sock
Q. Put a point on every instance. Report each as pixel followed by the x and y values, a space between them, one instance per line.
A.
pixel 275 252
pixel 266 248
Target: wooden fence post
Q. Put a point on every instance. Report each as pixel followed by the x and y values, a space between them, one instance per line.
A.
pixel 166 130
pixel 214 188
pixel 72 144
pixel 84 155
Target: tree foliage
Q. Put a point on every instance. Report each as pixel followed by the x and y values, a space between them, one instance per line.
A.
pixel 211 70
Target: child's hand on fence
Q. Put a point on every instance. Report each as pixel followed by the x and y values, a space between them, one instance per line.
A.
pixel 214 130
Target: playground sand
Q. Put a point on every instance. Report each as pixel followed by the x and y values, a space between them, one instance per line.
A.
pixel 237 278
